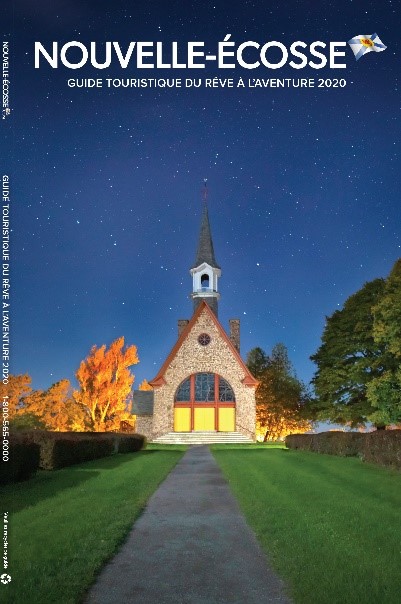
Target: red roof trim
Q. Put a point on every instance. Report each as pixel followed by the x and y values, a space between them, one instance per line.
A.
pixel 159 380
pixel 250 381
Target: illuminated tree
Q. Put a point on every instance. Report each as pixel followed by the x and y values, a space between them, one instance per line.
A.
pixel 56 408
pixel 144 385
pixel 280 397
pixel 105 384
pixel 18 387
pixel 27 421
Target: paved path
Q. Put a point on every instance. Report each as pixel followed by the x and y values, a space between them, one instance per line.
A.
pixel 190 546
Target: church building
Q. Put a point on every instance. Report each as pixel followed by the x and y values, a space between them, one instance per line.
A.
pixel 203 389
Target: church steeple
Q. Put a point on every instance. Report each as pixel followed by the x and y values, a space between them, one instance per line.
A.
pixel 205 252
pixel 205 272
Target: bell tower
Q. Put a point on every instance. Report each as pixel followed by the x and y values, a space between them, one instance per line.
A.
pixel 205 272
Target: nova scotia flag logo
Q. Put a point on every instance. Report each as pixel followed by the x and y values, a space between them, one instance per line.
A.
pixel 360 45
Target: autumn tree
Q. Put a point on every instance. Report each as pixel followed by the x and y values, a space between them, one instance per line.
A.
pixel 18 387
pixel 144 385
pixel 56 408
pixel 280 396
pixel 51 409
pixel 105 384
pixel 27 422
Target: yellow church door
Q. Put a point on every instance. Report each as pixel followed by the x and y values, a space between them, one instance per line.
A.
pixel 204 402
pixel 204 419
pixel 182 419
pixel 226 419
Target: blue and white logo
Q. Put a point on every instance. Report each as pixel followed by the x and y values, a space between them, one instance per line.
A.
pixel 361 45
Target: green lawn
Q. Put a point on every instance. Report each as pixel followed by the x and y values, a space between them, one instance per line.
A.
pixel 160 447
pixel 67 523
pixel 331 526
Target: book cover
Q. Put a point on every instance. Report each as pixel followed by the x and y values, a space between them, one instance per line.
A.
pixel 120 120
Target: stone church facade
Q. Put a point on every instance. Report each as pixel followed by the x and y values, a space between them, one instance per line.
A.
pixel 203 385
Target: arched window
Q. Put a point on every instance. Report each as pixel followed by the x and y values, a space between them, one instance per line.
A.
pixel 205 280
pixel 226 393
pixel 205 388
pixel 183 392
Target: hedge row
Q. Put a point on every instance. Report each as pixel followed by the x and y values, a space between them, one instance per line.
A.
pixel 53 450
pixel 22 462
pixel 59 450
pixel 382 447
pixel 334 443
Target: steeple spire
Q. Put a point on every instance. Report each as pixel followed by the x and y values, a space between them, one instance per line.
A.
pixel 205 271
pixel 205 251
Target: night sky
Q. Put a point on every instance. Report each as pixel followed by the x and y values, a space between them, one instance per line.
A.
pixel 303 183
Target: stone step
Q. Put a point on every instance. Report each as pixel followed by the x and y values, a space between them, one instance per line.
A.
pixel 195 438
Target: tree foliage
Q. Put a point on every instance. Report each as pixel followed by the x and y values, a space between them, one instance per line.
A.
pixel 387 313
pixel 280 396
pixel 384 391
pixel 358 377
pixel 27 421
pixel 257 362
pixel 144 385
pixel 18 387
pixel 101 403
pixel 56 408
pixel 52 409
pixel 105 384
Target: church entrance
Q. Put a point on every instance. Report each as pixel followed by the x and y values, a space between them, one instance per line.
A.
pixel 204 402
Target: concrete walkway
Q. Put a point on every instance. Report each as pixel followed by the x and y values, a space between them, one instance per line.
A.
pixel 190 546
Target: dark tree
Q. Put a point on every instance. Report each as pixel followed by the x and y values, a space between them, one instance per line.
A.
pixel 257 362
pixel 349 358
pixel 384 390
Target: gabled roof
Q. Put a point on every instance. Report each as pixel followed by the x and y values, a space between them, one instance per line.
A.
pixel 205 252
pixel 159 380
